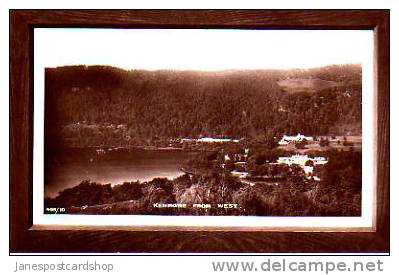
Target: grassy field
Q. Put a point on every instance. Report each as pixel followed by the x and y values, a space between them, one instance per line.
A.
pixel 304 85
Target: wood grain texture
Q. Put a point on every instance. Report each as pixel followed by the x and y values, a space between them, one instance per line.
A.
pixel 343 19
pixel 24 238
pixel 383 152
pixel 20 130
pixel 207 242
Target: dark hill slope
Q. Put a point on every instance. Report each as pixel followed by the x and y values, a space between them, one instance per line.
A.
pixel 97 105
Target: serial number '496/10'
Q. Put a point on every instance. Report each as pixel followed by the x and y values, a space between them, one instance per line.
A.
pixel 55 210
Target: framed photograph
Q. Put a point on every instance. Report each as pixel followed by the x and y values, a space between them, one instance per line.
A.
pixel 210 131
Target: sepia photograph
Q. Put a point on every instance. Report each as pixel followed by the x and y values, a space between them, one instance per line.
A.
pixel 203 127
pixel 194 130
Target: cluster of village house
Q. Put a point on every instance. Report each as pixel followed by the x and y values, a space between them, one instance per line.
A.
pixel 284 140
pixel 304 161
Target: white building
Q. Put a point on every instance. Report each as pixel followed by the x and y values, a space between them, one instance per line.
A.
pixel 319 160
pixel 294 159
pixel 209 140
pixel 100 151
pixel 239 174
pixel 288 139
pixel 301 160
pixel 308 170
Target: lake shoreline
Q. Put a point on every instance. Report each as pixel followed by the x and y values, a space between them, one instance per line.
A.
pixel 114 166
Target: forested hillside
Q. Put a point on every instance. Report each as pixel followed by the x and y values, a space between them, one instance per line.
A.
pixel 100 105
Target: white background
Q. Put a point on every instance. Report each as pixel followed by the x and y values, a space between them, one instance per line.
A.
pixel 200 49
pixel 186 265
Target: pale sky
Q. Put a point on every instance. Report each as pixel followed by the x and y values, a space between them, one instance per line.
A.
pixel 192 49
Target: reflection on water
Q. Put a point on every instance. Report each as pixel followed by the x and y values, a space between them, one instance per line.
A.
pixel 112 167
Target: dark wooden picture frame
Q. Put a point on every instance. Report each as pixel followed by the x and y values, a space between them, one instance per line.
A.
pixel 24 237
